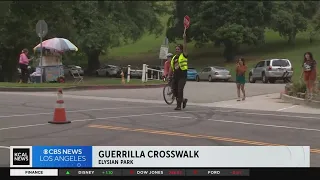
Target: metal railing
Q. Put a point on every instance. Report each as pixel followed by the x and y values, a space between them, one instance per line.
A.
pixel 153 73
pixel 145 73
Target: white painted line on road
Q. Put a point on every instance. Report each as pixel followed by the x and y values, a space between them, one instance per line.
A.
pixel 23 126
pixel 94 119
pixel 133 115
pixel 265 125
pixel 180 117
pixel 248 123
pixel 83 110
pixel 113 99
pixel 4 147
pixel 266 114
pixel 287 108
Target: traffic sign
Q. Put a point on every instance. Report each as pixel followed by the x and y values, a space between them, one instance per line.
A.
pixel 163 52
pixel 41 28
pixel 186 22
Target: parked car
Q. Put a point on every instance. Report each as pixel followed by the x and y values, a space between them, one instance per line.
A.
pixel 135 72
pixel 72 69
pixel 270 70
pixel 155 73
pixel 192 74
pixel 109 71
pixel 212 73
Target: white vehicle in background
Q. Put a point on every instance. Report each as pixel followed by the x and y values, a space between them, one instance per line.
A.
pixel 270 70
pixel 109 71
pixel 72 69
pixel 212 73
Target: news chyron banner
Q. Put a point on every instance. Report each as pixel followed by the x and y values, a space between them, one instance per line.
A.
pixel 159 156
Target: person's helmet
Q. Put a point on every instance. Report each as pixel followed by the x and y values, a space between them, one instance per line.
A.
pixel 169 55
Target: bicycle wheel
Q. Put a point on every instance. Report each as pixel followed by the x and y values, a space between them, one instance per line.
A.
pixel 168 95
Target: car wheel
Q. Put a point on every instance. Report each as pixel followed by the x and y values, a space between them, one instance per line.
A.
pixel 107 74
pixel 97 74
pixel 210 79
pixel 251 79
pixel 272 81
pixel 197 79
pixel 264 78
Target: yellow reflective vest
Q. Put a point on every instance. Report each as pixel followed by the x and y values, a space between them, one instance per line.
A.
pixel 183 62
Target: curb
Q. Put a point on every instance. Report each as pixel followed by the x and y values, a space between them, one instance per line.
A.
pixel 79 88
pixel 299 101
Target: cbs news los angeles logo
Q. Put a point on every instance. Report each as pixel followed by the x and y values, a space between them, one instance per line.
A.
pixel 20 156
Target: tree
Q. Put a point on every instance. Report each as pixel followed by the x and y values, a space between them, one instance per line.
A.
pixel 94 26
pixel 230 23
pixel 314 26
pixel 102 25
pixel 17 30
pixel 291 17
pixel 175 22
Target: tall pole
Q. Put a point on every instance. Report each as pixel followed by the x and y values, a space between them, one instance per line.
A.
pixel 41 59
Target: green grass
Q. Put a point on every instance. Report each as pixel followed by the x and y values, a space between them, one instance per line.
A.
pixel 146 50
pixel 87 82
pixel 147 44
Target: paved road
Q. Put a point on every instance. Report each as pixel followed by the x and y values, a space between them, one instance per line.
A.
pixel 197 92
pixel 99 122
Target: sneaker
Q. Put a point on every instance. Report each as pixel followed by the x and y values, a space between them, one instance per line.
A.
pixel 184 103
pixel 177 108
pixel 238 99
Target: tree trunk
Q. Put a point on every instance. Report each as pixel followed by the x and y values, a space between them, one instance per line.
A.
pixel 217 44
pixel 9 66
pixel 311 37
pixel 230 51
pixel 292 37
pixel 93 61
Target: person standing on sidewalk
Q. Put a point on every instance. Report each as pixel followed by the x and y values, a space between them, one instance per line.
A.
pixel 23 63
pixel 310 73
pixel 240 78
pixel 179 67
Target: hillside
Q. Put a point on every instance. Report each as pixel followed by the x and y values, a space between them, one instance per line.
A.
pixel 146 50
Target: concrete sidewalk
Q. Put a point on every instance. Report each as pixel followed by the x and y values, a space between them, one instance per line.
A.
pixel 268 102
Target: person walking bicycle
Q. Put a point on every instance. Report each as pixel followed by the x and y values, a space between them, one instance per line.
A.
pixel 179 67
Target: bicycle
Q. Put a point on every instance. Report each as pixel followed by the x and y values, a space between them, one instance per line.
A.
pixel 167 92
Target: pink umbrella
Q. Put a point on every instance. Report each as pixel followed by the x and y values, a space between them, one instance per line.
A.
pixel 59 44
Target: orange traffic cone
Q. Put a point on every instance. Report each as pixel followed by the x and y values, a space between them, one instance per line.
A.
pixel 59 116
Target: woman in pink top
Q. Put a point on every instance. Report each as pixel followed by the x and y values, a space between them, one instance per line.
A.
pixel 167 65
pixel 23 63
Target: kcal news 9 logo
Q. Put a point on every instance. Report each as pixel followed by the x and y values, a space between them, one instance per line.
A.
pixel 21 156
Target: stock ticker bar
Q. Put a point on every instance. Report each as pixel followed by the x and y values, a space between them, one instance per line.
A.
pixel 129 172
pixel 154 172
